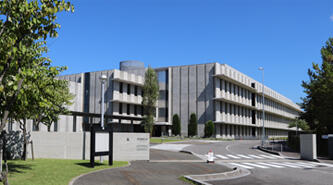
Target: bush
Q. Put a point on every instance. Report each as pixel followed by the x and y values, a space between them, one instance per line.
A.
pixel 175 125
pixel 209 128
pixel 193 125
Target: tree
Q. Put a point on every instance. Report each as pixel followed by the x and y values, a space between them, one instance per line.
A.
pixel 193 125
pixel 209 128
pixel 318 103
pixel 25 26
pixel 176 125
pixel 150 96
pixel 299 123
pixel 42 98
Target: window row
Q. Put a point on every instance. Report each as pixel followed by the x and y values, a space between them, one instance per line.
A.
pixel 126 109
pixel 124 87
pixel 233 89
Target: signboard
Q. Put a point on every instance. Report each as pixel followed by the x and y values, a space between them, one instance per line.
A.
pixel 102 142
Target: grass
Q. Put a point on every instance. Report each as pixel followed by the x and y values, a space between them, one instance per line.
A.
pixel 182 178
pixel 164 140
pixel 51 171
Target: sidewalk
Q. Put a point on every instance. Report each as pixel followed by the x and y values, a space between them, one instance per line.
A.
pixel 152 173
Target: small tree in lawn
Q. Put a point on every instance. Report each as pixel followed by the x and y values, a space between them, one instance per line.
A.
pixel 193 125
pixel 150 96
pixel 176 125
pixel 299 123
pixel 209 128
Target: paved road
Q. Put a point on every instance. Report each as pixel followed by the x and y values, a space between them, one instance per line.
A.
pixel 265 168
pixel 152 173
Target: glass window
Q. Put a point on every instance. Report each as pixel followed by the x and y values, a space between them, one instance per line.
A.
pixel 120 108
pixel 128 109
pixel 135 109
pixel 135 90
pixel 128 89
pixel 55 126
pixel 121 87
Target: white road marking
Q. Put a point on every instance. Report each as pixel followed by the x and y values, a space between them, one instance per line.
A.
pixel 324 164
pixel 285 164
pixel 277 156
pixel 240 165
pixel 272 165
pixel 267 156
pixel 302 165
pixel 221 156
pixel 255 156
pixel 232 156
pixel 244 156
pixel 256 165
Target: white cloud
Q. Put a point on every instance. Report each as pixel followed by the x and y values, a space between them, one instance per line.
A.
pixel 331 17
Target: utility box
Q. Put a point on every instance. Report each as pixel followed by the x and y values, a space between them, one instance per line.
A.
pixel 308 146
pixel 330 146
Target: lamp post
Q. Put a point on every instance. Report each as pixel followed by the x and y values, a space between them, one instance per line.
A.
pixel 263 108
pixel 103 79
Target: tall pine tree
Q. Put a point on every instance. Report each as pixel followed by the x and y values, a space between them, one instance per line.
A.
pixel 318 103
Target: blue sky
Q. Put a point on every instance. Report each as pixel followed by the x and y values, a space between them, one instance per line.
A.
pixel 283 36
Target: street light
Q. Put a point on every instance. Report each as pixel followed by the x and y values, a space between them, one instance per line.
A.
pixel 103 78
pixel 263 108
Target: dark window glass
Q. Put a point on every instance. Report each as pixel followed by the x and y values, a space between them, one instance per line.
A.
pixel 135 90
pixel 35 126
pixel 135 109
pixel 55 126
pixel 128 89
pixel 221 82
pixel 221 107
pixel 74 124
pixel 120 108
pixel 128 109
pixel 121 87
pixel 142 110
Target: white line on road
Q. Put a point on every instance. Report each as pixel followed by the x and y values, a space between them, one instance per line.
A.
pixel 284 164
pixel 301 165
pixel 272 165
pixel 277 156
pixel 232 156
pixel 256 165
pixel 324 164
pixel 255 156
pixel 240 165
pixel 221 156
pixel 244 156
pixel 267 156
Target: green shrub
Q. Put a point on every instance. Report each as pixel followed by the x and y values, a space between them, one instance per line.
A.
pixel 193 125
pixel 209 128
pixel 176 125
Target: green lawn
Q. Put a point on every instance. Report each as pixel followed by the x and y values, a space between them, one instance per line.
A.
pixel 51 171
pixel 164 140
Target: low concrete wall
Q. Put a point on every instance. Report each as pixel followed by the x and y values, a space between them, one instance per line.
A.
pixel 308 146
pixel 62 145
pixel 130 146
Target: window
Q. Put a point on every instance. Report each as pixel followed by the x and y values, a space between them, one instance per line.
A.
pixel 135 90
pixel 121 87
pixel 74 124
pixel 55 126
pixel 221 82
pixel 35 126
pixel 128 109
pixel 128 89
pixel 135 109
pixel 120 108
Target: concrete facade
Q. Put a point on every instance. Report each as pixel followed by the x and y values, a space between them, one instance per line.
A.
pixel 213 91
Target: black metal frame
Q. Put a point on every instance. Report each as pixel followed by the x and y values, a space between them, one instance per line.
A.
pixel 96 127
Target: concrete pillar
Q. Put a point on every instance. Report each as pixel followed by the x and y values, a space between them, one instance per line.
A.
pixel 308 146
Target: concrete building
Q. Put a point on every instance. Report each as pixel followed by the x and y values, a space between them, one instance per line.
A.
pixel 213 91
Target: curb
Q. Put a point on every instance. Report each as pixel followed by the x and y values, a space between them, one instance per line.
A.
pixel 77 177
pixel 268 151
pixel 201 179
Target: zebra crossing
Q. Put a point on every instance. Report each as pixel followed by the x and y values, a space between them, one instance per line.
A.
pixel 280 164
pixel 246 156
